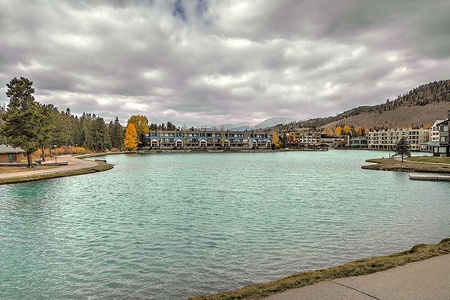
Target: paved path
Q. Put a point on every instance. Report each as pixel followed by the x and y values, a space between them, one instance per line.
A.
pixel 427 279
pixel 73 164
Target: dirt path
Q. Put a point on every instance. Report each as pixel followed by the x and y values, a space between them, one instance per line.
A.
pixel 73 164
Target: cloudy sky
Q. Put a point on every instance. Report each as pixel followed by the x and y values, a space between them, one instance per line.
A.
pixel 212 62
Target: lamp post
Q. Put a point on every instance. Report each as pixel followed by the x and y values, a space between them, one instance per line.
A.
pixel 56 154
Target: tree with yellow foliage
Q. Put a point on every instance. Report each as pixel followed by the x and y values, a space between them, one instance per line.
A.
pixel 276 143
pixel 359 131
pixel 141 125
pixel 130 142
pixel 347 130
pixel 338 131
pixel 328 132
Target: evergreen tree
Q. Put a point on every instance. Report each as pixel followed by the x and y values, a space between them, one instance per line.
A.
pixel 116 134
pixel 99 135
pixel 402 148
pixel 47 133
pixel 24 118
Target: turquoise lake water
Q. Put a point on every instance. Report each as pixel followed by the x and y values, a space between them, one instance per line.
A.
pixel 167 226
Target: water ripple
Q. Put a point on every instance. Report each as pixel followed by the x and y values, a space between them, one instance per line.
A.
pixel 170 226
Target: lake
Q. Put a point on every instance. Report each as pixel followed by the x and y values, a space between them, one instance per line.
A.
pixel 169 226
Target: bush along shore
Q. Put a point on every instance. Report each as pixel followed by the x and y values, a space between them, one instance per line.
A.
pixel 355 268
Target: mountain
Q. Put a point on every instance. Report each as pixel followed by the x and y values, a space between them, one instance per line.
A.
pixel 419 107
pixel 272 122
pixel 241 128
pixel 265 124
pixel 402 117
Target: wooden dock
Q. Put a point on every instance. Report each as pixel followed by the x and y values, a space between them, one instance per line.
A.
pixel 429 177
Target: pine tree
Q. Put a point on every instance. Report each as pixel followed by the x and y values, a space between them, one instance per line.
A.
pixel 24 117
pixel 116 134
pixel 402 148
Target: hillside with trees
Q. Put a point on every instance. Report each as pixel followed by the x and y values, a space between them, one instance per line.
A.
pixel 416 108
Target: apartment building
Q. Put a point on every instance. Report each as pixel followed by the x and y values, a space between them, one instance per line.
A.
pixel 443 149
pixel 208 140
pixel 304 138
pixel 435 131
pixel 387 139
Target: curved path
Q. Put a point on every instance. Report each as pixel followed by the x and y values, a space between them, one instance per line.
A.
pixel 72 164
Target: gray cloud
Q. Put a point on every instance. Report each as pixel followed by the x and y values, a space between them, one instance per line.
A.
pixel 212 62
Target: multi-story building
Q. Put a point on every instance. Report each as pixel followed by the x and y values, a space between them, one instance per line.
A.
pixel 304 138
pixel 358 142
pixel 208 139
pixel 387 139
pixel 309 137
pixel 443 149
pixel 435 131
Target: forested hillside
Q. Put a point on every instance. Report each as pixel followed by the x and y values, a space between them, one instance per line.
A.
pixel 416 108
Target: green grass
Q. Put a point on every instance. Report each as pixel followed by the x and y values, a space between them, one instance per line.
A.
pixel 416 164
pixel 100 167
pixel 355 268
pixel 430 159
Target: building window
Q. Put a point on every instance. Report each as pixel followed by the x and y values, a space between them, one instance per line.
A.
pixel 443 139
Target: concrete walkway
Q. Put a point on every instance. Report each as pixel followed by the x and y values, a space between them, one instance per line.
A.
pixel 427 279
pixel 73 164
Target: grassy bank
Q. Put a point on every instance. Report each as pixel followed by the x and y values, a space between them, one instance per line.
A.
pixel 425 164
pixel 355 268
pixel 100 167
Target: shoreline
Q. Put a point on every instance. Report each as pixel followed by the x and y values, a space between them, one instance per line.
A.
pixel 392 164
pixel 76 165
pixel 68 166
pixel 358 267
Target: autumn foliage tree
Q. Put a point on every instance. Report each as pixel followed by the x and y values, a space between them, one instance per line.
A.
pixel 276 143
pixel 130 141
pixel 141 125
pixel 347 130
pixel 359 131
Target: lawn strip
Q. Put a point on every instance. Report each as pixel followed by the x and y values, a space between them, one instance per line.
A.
pixel 355 268
pixel 392 164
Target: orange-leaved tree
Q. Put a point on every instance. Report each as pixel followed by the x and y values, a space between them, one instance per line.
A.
pixel 328 132
pixel 141 125
pixel 359 131
pixel 130 142
pixel 276 143
pixel 347 130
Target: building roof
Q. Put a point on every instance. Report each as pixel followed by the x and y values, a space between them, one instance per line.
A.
pixel 431 143
pixel 8 149
pixel 445 122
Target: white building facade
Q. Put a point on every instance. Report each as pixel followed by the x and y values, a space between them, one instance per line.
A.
pixel 387 139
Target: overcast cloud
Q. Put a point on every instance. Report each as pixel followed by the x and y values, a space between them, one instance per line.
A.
pixel 217 61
